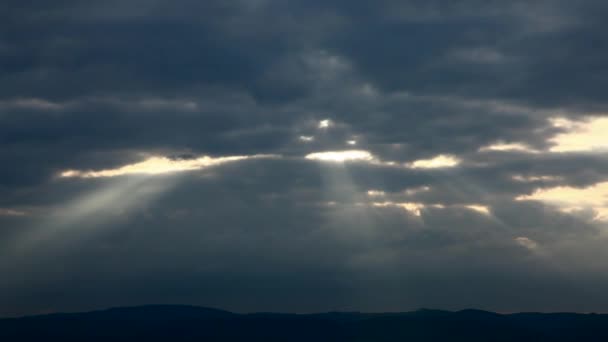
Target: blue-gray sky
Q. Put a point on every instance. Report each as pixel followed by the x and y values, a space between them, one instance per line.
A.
pixel 261 155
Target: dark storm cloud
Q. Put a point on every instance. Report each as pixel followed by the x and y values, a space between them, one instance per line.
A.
pixel 69 50
pixel 99 85
pixel 546 53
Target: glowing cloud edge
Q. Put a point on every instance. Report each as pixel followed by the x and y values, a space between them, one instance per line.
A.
pixel 158 165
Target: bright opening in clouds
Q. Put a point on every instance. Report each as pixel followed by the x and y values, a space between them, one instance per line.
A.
pixel 571 199
pixel 479 208
pixel 588 135
pixel 509 147
pixel 411 207
pixel 160 165
pixel 416 208
pixel 341 156
pixel 325 123
pixel 376 193
pixel 440 161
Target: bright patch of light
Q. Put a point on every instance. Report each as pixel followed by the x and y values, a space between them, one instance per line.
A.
pixel 571 210
pixel 306 138
pixel 587 135
pixel 376 193
pixel 521 178
pixel 97 208
pixel 325 123
pixel 159 165
pixel 562 123
pixel 411 207
pixel 526 242
pixel 440 161
pixel 416 207
pixel 479 208
pixel 351 142
pixel 508 147
pixel 11 212
pixel 414 191
pixel 341 156
pixel 569 199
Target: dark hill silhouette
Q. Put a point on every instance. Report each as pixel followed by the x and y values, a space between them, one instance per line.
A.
pixel 189 323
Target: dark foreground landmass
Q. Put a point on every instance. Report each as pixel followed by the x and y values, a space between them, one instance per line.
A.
pixel 186 323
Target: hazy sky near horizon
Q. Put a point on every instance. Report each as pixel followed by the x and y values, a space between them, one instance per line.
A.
pixel 300 156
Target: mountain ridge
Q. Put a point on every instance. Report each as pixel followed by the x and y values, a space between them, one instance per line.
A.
pixel 194 323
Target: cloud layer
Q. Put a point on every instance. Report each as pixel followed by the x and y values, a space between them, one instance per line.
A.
pixel 303 155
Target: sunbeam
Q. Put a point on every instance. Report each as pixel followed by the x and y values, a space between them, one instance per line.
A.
pixel 81 217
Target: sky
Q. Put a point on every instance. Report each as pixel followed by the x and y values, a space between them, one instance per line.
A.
pixel 304 156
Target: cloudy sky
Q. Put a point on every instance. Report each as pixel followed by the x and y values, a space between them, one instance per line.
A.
pixel 261 155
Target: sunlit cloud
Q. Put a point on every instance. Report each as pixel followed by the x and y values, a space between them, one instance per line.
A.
pixel 479 208
pixel 504 147
pixel 411 207
pixel 159 165
pixel 526 242
pixel 325 123
pixel 351 142
pixel 376 193
pixel 11 212
pixel 306 138
pixel 562 123
pixel 417 207
pixel 440 161
pixel 417 190
pixel 580 136
pixel 570 199
pixel 341 156
pixel 542 178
